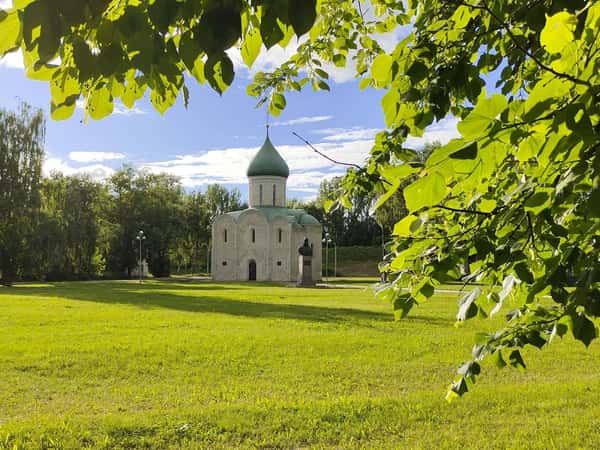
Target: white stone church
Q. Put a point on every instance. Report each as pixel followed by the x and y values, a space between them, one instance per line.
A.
pixel 261 243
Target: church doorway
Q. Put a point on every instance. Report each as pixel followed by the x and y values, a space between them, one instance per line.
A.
pixel 252 270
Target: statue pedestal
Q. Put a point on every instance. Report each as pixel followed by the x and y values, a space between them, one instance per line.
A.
pixel 305 271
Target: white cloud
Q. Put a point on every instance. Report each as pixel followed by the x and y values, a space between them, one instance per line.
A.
pixel 119 109
pixel 301 120
pixel 96 171
pixel 124 111
pixel 348 134
pixel 13 60
pixel 5 4
pixel 308 169
pixel 228 166
pixel 86 157
pixel 442 131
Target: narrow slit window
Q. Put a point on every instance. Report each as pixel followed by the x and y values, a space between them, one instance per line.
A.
pixel 225 235
pixel 260 194
pixel 274 192
pixel 279 235
pixel 253 235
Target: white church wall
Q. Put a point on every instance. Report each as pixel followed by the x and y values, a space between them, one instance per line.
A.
pixel 252 222
pixel 224 252
pixel 267 183
pixel 280 248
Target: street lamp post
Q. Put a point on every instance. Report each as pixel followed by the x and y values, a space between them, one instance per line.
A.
pixel 334 259
pixel 140 237
pixel 326 241
pixel 207 245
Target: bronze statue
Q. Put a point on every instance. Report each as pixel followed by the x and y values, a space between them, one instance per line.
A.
pixel 306 249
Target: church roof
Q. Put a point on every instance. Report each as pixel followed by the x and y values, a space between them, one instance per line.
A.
pixel 271 213
pixel 268 162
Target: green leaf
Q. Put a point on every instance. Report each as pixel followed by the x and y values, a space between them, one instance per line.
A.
pixel 529 147
pixel 10 30
pixel 466 306
pixel 134 90
pixel 62 111
pixel 277 104
pixel 584 329
pixel 218 70
pixel 469 151
pixel 328 205
pixel 462 16
pixel 302 15
pixel 219 28
pixel 323 86
pixel 417 71
pixel 538 201
pixel 469 369
pixel 457 389
pixel 425 192
pixel 403 228
pixel 427 290
pixel 524 273
pixel 558 31
pixel 402 305
pixel 579 122
pixel 191 53
pixel 516 360
pixel 270 31
pixel 251 46
pixel 390 104
pixel 483 116
pixel 498 359
pixel 381 69
pixel 100 103
pixel 390 191
pixel 534 338
pixel 486 205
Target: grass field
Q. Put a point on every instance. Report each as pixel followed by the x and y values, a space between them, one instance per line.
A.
pixel 181 365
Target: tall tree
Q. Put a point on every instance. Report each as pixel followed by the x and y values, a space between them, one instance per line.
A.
pixel 21 156
pixel 197 230
pixel 151 203
pixel 68 232
pixel 221 200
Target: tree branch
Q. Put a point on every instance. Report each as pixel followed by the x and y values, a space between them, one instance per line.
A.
pixel 356 166
pixel 466 211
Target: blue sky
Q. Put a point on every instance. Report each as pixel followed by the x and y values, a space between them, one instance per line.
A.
pixel 214 139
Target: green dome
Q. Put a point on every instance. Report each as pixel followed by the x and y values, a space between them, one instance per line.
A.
pixel 268 162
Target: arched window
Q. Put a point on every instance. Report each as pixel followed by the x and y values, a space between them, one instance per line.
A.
pixel 260 195
pixel 274 192
pixel 253 235
pixel 225 235
pixel 279 235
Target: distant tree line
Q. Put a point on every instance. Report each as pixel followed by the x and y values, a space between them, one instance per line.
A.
pixel 75 228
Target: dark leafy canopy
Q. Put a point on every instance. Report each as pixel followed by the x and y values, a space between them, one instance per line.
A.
pixel 518 193
pixel 102 50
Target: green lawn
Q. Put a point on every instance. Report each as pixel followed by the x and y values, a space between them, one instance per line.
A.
pixel 181 365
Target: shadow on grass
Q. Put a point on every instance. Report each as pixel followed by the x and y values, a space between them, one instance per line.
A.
pixel 154 296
